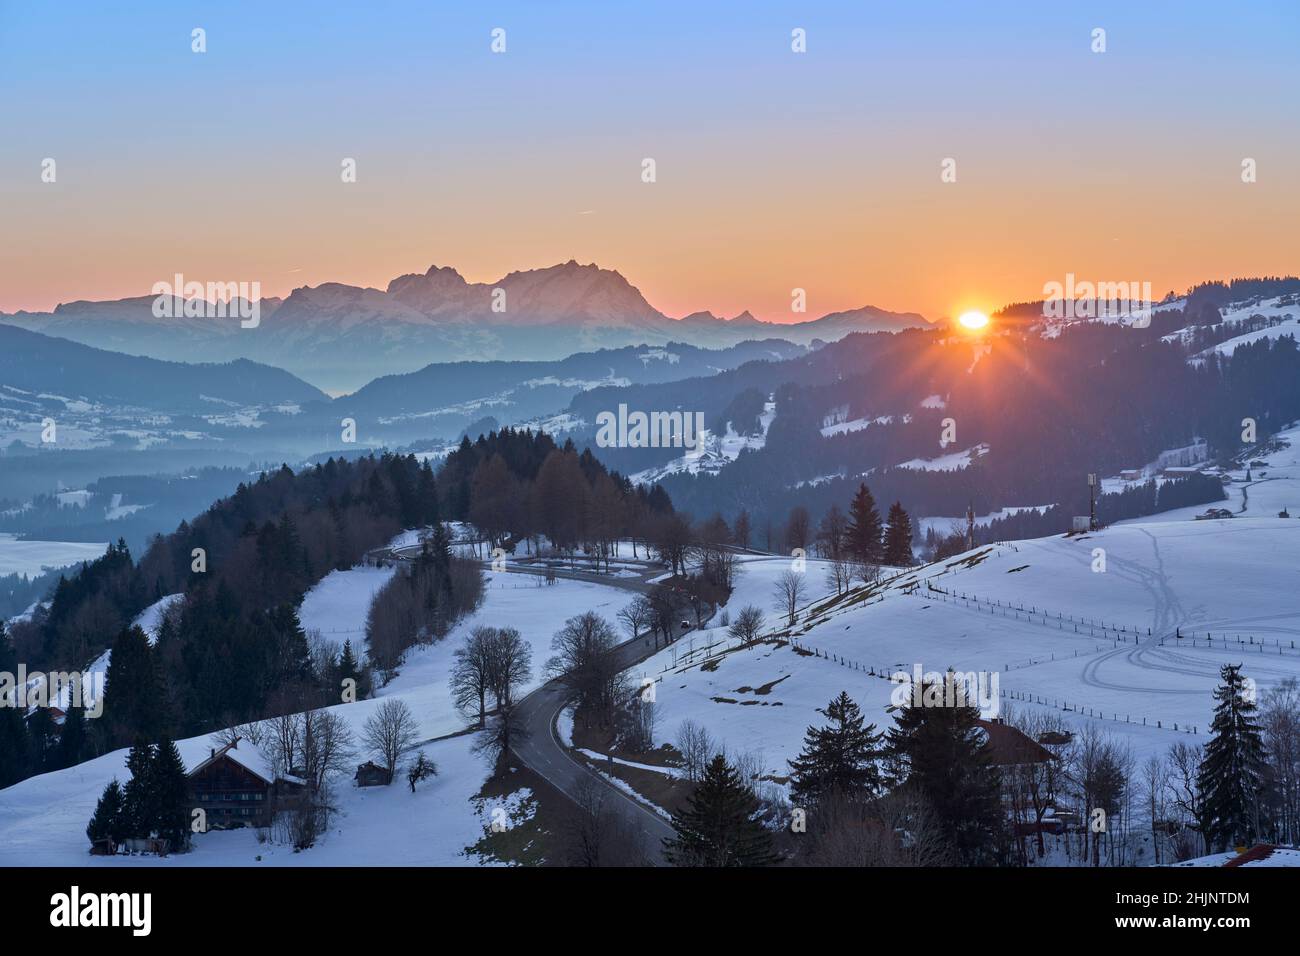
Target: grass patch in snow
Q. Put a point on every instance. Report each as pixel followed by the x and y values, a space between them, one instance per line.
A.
pixel 520 837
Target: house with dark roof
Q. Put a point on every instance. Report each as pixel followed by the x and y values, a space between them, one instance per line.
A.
pixel 1019 757
pixel 237 788
pixel 1011 747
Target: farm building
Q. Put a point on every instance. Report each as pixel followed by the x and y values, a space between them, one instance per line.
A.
pixel 370 774
pixel 237 788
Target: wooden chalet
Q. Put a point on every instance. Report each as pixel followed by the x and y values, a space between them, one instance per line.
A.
pixel 1011 747
pixel 237 788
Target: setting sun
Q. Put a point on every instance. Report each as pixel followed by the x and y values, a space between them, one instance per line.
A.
pixel 973 320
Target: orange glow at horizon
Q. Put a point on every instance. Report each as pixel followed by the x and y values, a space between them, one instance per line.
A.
pixel 973 321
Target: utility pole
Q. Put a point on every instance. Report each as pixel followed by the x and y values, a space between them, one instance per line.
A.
pixel 1092 501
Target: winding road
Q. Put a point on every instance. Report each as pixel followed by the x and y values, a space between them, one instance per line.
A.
pixel 541 750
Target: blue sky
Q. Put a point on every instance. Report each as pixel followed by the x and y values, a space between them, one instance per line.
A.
pixel 774 169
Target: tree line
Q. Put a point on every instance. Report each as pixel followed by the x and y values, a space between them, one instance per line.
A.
pixel 518 486
pixel 230 648
pixel 930 791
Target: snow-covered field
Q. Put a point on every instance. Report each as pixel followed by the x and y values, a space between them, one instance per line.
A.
pixel 338 604
pixel 1085 626
pixel 953 461
pixel 43 819
pixel 1065 650
pixel 522 601
pixel 33 557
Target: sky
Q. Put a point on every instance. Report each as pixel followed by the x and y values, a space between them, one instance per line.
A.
pixel 774 170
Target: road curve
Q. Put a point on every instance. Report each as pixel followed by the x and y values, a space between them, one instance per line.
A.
pixel 541 751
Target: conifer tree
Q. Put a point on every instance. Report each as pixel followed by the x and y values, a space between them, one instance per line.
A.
pixel 72 737
pixel 15 747
pixel 131 688
pixel 139 808
pixel 294 653
pixel 1232 770
pixel 14 743
pixel 427 494
pixel 170 795
pixel 898 537
pixel 864 534
pixel 941 751
pixel 108 822
pixel 718 828
pixel 349 669
pixel 841 756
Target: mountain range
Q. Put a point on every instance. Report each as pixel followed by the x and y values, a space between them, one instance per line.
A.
pixel 43 366
pixel 340 336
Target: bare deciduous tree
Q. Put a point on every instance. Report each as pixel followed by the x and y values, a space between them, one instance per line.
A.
pixel 636 615
pixel 696 747
pixel 897 830
pixel 751 768
pixel 1102 770
pixel 1034 788
pixel 504 730
pixel 510 660
pixel 868 572
pixel 639 730
pixel 1155 786
pixel 741 529
pixel 471 674
pixel 1185 768
pixel 665 607
pixel 1280 720
pixel 585 661
pixel 597 835
pixel 748 624
pixel 839 574
pixel 422 768
pixel 389 732
pixel 798 528
pixel 327 747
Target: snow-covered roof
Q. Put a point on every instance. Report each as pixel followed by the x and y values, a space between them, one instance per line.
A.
pixel 250 758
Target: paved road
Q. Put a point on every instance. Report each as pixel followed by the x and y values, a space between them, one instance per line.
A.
pixel 542 752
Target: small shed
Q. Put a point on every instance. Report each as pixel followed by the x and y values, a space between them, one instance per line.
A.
pixel 370 774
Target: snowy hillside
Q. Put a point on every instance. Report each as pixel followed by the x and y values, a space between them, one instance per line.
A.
pixel 1279 315
pixel 43 818
pixel 713 452
pixel 1100 643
